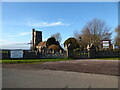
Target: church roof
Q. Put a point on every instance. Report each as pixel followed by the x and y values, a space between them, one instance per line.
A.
pixel 42 44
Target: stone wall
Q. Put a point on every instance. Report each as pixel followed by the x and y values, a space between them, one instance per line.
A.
pixel 5 54
pixel 26 54
pixel 34 55
pixel 76 55
pixel 80 54
pixel 54 55
pixel 30 55
pixel 91 54
pixel 107 54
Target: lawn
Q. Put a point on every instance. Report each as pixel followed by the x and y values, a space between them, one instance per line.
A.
pixel 31 60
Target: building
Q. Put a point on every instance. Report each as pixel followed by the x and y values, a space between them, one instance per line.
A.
pixel 36 38
pixel 40 46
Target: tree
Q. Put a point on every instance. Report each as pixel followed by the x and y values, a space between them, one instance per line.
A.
pixel 57 36
pixel 93 32
pixel 82 43
pixel 50 41
pixel 117 38
pixel 71 41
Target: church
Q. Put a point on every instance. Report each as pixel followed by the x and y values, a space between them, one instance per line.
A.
pixel 39 45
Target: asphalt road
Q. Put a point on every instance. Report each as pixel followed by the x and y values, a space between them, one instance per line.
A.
pixel 105 67
pixel 14 78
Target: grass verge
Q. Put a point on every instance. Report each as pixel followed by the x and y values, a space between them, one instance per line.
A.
pixel 106 59
pixel 30 61
pixel 23 61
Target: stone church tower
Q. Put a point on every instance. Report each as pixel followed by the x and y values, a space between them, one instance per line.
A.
pixel 36 38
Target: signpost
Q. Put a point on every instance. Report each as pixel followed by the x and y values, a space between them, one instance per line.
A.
pixel 105 44
pixel 16 54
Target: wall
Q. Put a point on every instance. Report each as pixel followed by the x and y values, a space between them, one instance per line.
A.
pixel 107 54
pixel 5 54
pixel 29 55
pixel 52 55
pixel 76 55
pixel 80 54
pixel 26 54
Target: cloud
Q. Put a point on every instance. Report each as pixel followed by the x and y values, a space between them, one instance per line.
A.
pixel 10 43
pixel 23 34
pixel 20 34
pixel 15 45
pixel 46 24
pixel 1 40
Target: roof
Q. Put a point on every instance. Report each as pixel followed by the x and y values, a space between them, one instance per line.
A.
pixel 42 44
pixel 54 47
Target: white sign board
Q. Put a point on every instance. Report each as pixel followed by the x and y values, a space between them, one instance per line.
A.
pixel 16 54
pixel 105 44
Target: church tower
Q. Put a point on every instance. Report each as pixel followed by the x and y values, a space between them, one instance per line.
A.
pixel 36 38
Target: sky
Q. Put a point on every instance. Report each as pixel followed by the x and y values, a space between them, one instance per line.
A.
pixel 19 18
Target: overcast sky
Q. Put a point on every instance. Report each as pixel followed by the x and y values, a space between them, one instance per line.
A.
pixel 19 18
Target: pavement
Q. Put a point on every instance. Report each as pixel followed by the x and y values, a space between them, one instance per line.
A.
pixel 14 78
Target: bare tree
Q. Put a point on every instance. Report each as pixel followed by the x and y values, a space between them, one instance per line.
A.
pixel 117 38
pixel 57 36
pixel 94 31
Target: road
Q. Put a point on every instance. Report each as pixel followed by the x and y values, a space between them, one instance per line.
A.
pixel 14 78
pixel 105 67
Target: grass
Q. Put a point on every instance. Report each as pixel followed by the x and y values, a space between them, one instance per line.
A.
pixel 106 59
pixel 23 61
pixel 30 61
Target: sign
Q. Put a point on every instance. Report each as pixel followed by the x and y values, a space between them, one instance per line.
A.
pixel 16 54
pixel 105 44
pixel 115 47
